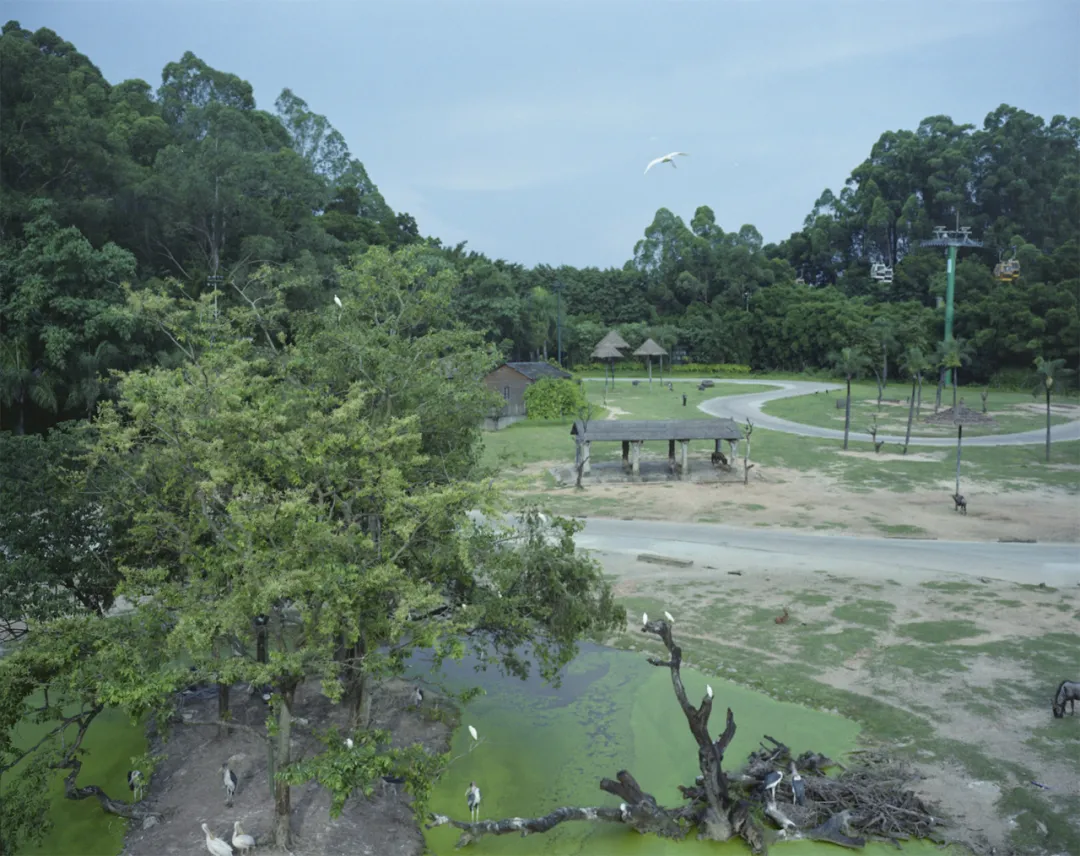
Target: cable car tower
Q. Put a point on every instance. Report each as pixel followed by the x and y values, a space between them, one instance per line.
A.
pixel 960 237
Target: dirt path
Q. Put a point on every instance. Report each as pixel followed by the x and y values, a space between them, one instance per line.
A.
pixel 975 662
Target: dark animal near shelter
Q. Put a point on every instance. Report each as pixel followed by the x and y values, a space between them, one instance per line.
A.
pixel 1067 691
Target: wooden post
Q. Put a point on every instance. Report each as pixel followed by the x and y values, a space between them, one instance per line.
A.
pixel 650 372
pixel 625 453
pixel 671 455
pixel 588 457
pixel 716 445
pixel 959 439
pixel 637 457
pixel 685 455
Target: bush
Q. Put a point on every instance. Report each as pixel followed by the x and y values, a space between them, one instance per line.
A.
pixel 554 398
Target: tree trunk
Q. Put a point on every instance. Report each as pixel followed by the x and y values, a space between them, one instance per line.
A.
pixel 282 791
pixel 940 384
pixel 847 413
pixel 357 688
pixel 910 416
pixel 918 406
pixel 954 371
pixel 880 388
pixel 223 709
pixel 959 438
pixel 1048 425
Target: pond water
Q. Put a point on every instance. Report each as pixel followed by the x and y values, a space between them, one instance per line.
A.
pixel 542 748
pixel 81 827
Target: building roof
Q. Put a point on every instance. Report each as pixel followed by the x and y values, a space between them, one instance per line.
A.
pixel 606 351
pixel 613 338
pixel 963 416
pixel 535 371
pixel 649 348
pixel 615 430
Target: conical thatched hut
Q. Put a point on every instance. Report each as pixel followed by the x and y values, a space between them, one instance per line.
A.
pixel 613 338
pixel 650 349
pixel 960 417
pixel 609 352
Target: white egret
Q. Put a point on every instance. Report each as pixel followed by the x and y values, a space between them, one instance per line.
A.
pixel 215 845
pixel 708 690
pixel 472 797
pixel 240 839
pixel 668 158
pixel 337 300
pixel 348 743
pixel 670 618
pixel 644 618
pixel 472 731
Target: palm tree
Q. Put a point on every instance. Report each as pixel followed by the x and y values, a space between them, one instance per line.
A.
pixel 18 381
pixel 952 355
pixel 1042 380
pixel 914 362
pixel 850 363
pixel 883 330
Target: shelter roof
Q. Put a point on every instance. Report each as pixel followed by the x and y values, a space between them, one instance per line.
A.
pixel 615 430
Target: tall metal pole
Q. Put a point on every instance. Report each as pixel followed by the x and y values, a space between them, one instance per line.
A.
pixel 953 240
pixel 558 318
pixel 950 290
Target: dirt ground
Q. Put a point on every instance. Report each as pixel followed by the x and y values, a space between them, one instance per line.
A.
pixel 790 499
pixel 999 705
pixel 187 786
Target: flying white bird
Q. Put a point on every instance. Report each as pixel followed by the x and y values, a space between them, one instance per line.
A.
pixel 337 300
pixel 708 690
pixel 665 159
pixel 472 731
pixel 240 839
pixel 669 617
pixel 644 618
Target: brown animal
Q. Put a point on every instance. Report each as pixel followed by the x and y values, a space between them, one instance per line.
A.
pixel 782 619
pixel 961 503
pixel 718 459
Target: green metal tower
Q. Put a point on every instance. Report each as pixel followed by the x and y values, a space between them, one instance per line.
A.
pixel 960 237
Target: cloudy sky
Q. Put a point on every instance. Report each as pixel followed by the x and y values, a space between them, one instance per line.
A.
pixel 523 127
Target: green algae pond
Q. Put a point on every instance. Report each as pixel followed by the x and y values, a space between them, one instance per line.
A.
pixel 80 827
pixel 542 748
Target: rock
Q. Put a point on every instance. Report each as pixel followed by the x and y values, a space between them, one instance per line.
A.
pixel 150 821
pixel 657 559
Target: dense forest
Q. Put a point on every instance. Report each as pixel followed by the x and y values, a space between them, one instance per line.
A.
pixel 115 186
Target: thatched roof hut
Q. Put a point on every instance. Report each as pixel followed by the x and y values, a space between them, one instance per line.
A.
pixel 650 349
pixel 613 338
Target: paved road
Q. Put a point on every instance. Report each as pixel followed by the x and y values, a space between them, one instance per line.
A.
pixel 723 547
pixel 743 407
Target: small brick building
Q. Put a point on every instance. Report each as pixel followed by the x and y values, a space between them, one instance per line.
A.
pixel 510 380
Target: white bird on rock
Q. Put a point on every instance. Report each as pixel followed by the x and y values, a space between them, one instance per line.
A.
pixel 668 158
pixel 708 690
pixel 215 845
pixel 644 618
pixel 670 618
pixel 771 781
pixel 472 797
pixel 418 697
pixel 240 839
pixel 472 731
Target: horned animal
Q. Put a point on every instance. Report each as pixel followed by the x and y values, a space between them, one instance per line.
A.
pixel 1067 691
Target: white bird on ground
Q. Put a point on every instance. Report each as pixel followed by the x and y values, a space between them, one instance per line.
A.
pixel 215 845
pixel 670 618
pixel 418 697
pixel 228 780
pixel 472 731
pixel 668 158
pixel 240 839
pixel 136 783
pixel 708 690
pixel 337 300
pixel 348 743
pixel 472 797
pixel 644 618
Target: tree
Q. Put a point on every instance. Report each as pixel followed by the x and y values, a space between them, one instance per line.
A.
pixel 1047 373
pixel 950 356
pixel 883 332
pixel 319 490
pixel 914 362
pixel 849 363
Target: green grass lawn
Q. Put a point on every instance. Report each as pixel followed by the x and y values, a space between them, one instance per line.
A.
pixel 1011 410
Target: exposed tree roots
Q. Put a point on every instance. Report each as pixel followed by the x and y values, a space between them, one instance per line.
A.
pixel 867 801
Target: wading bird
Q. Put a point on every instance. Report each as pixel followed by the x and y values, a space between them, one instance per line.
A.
pixel 215 845
pixel 670 618
pixel 644 618
pixel 136 783
pixel 472 797
pixel 669 158
pixel 771 781
pixel 240 839
pixel 418 697
pixel 798 788
pixel 337 300
pixel 708 690
pixel 228 780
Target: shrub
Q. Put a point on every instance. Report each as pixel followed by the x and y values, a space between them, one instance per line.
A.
pixel 554 398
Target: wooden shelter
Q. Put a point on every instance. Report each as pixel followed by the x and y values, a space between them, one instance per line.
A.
pixel 633 433
pixel 961 417
pixel 650 349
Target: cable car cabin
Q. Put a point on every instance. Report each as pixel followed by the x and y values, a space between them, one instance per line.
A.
pixel 1007 271
pixel 881 273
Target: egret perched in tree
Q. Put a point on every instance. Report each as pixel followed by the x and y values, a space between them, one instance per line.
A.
pixel 670 618
pixel 337 300
pixel 472 731
pixel 136 783
pixel 240 839
pixel 472 797
pixel 215 845
pixel 708 690
pixel 418 697
pixel 771 781
pixel 644 618
pixel 669 158
pixel 228 779
pixel 798 789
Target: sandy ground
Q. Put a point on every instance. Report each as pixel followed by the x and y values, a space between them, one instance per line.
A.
pixel 186 787
pixel 992 728
pixel 790 499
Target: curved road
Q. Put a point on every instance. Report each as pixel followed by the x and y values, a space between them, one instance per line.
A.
pixel 743 407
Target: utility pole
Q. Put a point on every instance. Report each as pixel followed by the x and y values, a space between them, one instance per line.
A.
pixel 558 318
pixel 953 240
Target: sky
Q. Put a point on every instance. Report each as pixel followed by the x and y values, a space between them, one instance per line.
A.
pixel 524 127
